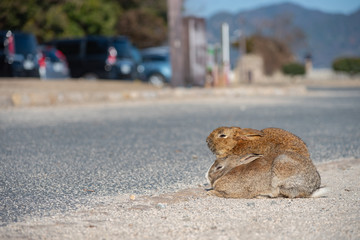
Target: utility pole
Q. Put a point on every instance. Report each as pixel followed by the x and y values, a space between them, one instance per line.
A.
pixel 176 42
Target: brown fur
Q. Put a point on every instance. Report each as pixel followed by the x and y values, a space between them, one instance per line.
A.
pixel 240 141
pixel 222 166
pixel 247 180
pixel 270 176
pixel 285 166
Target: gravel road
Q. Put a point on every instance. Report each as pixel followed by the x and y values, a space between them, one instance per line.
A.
pixel 71 173
pixel 191 214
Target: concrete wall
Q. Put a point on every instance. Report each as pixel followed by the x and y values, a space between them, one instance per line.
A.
pixel 249 69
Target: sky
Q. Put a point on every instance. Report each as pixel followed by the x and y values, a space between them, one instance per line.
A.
pixel 206 8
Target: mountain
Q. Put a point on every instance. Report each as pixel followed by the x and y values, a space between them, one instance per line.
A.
pixel 328 36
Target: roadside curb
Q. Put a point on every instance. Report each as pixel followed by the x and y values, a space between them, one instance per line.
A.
pixel 56 98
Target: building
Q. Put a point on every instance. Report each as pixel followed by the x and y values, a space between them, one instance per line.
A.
pixel 249 69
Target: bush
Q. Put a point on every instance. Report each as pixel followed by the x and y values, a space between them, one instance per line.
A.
pixel 347 65
pixel 293 69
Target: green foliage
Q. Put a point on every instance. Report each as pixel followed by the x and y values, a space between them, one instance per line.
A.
pixel 14 13
pixel 293 69
pixel 60 18
pixel 347 65
pixel 71 18
pixel 91 17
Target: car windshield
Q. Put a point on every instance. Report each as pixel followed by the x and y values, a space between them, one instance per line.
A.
pixel 50 53
pixel 123 49
pixel 25 44
pixel 96 46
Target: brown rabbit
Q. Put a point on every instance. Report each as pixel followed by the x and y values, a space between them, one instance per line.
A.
pixel 223 165
pixel 291 167
pixel 225 141
pixel 250 176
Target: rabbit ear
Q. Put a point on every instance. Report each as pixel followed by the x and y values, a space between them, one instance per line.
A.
pixel 248 134
pixel 249 158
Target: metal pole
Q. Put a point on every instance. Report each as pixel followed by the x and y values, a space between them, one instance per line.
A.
pixel 225 43
pixel 176 42
pixel 225 52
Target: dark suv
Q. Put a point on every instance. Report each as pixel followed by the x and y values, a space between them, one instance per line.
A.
pixel 99 57
pixel 18 55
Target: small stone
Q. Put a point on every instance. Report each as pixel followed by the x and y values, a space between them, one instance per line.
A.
pixel 161 205
pixel 132 197
pixel 250 204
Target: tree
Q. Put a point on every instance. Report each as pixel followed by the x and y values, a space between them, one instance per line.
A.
pixel 158 7
pixel 14 14
pixel 143 27
pixel 59 18
pixel 275 53
pixel 274 40
pixel 91 16
pixel 347 65
pixel 293 69
pixel 144 21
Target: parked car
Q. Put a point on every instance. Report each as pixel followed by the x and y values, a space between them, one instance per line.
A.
pixel 53 63
pixel 155 67
pixel 18 54
pixel 95 57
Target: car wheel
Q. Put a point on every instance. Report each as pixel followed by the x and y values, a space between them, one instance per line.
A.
pixel 157 80
pixel 90 76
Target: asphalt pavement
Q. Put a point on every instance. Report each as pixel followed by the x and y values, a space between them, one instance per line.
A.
pixel 59 159
pixel 80 153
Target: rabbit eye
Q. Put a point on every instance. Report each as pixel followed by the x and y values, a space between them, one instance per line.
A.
pixel 219 167
pixel 222 136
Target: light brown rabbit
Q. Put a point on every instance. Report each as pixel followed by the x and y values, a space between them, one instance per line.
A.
pixel 225 141
pixel 250 176
pixel 223 165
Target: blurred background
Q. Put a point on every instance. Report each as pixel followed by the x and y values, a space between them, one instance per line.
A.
pixel 180 42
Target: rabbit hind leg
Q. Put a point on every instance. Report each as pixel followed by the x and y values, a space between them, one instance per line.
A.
pixel 294 175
